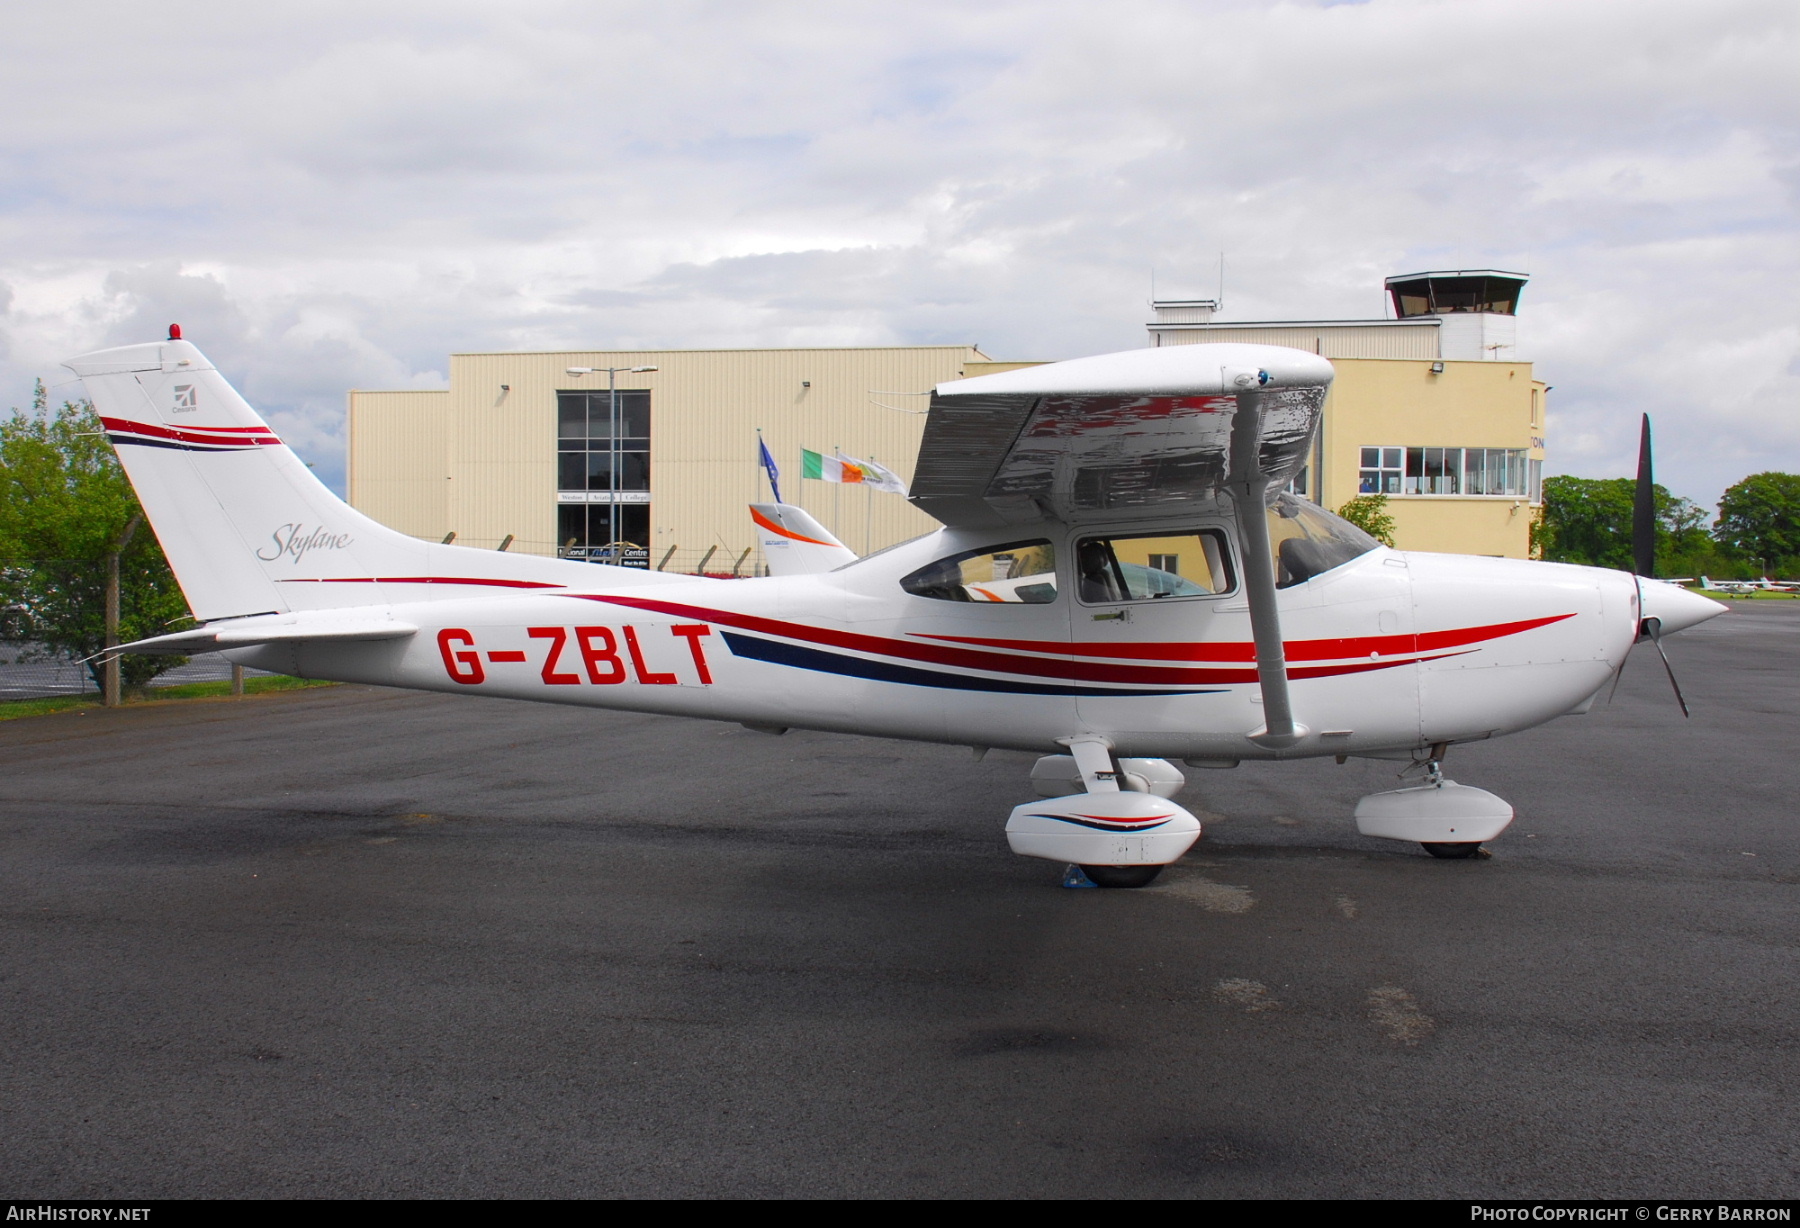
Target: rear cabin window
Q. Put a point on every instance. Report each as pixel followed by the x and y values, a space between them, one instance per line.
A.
pixel 1023 573
pixel 1153 567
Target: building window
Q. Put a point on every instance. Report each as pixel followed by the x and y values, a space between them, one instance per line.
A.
pixel 584 442
pixel 1383 469
pixel 596 509
pixel 1449 471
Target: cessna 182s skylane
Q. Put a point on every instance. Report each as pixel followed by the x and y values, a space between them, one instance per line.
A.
pixel 1118 583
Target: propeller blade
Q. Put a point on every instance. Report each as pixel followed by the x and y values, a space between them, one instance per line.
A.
pixel 1620 672
pixel 1643 510
pixel 1655 627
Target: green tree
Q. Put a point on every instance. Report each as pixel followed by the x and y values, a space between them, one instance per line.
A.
pixel 1369 513
pixel 1760 519
pixel 64 504
pixel 1588 520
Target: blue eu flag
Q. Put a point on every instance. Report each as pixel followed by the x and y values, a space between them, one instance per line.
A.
pixel 768 462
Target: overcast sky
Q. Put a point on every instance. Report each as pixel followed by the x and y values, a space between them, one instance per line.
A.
pixel 335 195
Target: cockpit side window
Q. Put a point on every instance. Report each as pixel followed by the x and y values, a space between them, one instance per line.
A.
pixel 1309 541
pixel 1022 573
pixel 1153 566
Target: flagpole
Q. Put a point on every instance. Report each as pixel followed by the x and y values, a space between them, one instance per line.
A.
pixel 837 487
pixel 868 510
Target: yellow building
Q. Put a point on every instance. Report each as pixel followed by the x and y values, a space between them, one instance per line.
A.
pixel 1432 408
pixel 519 450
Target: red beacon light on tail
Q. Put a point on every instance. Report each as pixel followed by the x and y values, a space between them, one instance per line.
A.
pixel 174 332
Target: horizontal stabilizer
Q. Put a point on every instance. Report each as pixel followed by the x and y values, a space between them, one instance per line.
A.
pixel 252 633
pixel 794 544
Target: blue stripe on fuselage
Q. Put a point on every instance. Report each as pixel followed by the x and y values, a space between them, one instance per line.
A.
pixel 756 648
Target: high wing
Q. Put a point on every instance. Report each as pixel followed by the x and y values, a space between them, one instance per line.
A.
pixel 1119 433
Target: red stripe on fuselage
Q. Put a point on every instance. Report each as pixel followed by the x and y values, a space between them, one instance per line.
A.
pixel 964 658
pixel 235 436
pixel 421 580
pixel 1296 650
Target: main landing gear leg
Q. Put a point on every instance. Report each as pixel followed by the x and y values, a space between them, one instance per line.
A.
pixel 1100 773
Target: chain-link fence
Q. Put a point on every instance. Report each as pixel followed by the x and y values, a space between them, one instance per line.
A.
pixel 28 672
pixel 720 562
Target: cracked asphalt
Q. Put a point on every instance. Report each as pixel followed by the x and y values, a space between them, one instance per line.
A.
pixel 361 942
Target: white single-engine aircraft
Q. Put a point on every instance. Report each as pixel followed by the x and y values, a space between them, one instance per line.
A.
pixel 1118 583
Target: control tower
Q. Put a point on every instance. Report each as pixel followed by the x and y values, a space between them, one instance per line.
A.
pixel 1476 309
pixel 1432 407
pixel 1454 315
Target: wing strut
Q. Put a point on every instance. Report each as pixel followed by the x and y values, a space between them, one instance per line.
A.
pixel 1249 487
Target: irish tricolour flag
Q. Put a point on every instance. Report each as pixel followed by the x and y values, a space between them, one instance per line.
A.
pixel 849 470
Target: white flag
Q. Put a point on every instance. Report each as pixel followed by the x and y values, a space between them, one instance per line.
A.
pixel 876 475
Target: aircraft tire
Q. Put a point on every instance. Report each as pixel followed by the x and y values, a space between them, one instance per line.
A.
pixel 1452 852
pixel 1121 876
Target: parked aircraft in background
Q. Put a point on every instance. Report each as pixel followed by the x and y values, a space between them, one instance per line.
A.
pixel 1118 583
pixel 1729 588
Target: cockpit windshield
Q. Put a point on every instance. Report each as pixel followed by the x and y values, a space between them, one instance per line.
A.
pixel 1309 541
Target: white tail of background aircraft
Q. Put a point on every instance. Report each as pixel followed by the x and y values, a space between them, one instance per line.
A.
pixel 794 543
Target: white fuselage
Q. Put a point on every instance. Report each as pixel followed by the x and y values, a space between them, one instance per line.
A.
pixel 1391 651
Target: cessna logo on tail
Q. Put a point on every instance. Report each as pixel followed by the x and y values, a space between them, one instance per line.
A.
pixel 187 398
pixel 293 539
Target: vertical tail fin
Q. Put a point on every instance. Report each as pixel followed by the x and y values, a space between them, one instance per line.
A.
pixel 794 544
pixel 246 526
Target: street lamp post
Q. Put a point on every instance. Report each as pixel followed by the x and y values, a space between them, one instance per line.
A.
pixel 612 468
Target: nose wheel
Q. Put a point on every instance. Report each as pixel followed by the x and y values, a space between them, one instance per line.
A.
pixel 1453 850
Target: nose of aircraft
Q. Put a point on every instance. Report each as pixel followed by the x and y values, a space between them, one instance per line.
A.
pixel 1675 607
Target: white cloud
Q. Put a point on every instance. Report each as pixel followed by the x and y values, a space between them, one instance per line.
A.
pixel 329 195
